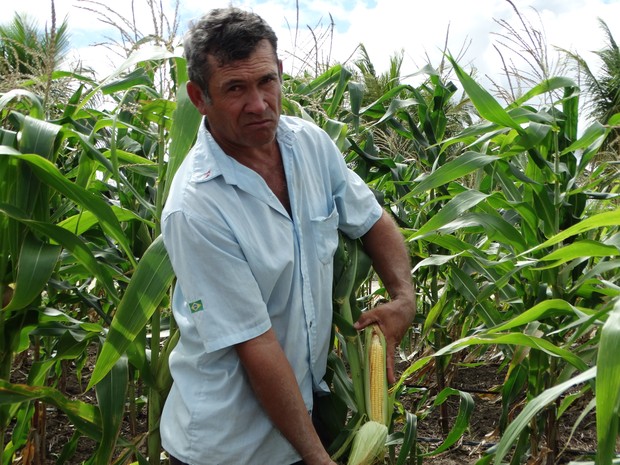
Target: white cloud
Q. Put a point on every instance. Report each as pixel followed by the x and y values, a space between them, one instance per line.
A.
pixel 419 27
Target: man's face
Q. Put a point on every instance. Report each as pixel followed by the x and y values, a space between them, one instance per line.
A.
pixel 245 100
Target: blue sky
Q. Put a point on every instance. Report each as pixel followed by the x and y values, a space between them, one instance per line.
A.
pixel 385 27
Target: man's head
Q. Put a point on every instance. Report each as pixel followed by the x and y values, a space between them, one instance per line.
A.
pixel 235 78
pixel 226 34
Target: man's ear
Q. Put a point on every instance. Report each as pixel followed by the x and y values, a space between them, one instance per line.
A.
pixel 197 96
pixel 280 69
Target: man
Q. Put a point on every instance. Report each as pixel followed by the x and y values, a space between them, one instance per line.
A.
pixel 251 227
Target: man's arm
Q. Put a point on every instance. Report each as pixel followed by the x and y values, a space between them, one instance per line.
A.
pixel 385 245
pixel 276 388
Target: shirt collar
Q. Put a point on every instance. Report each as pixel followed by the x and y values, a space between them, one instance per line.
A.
pixel 210 161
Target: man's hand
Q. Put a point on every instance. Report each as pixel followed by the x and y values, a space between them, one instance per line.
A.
pixel 394 318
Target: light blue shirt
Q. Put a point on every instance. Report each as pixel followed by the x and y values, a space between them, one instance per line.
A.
pixel 243 265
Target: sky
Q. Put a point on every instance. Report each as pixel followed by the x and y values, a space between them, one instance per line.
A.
pixel 419 29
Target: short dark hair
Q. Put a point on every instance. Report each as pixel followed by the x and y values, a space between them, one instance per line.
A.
pixel 228 34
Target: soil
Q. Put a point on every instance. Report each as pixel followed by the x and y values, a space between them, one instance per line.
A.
pixel 58 430
pixel 482 382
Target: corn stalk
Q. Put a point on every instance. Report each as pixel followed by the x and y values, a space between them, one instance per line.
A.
pixel 365 436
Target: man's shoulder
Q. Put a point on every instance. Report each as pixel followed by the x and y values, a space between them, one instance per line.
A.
pixel 296 124
pixel 293 128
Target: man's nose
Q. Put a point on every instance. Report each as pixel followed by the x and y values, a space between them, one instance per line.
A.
pixel 256 101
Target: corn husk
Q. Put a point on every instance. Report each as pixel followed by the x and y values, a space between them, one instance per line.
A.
pixel 368 444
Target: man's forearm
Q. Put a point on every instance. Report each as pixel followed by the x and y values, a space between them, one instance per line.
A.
pixel 385 245
pixel 276 388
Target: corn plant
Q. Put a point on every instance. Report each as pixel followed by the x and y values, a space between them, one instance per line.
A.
pixel 363 435
pixel 512 224
pixel 529 249
pixel 81 251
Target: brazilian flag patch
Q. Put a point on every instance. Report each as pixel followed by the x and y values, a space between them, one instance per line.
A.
pixel 196 306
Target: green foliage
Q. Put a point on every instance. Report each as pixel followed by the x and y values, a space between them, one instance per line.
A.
pixel 81 200
pixel 512 228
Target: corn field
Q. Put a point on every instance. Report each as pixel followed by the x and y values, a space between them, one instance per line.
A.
pixel 510 212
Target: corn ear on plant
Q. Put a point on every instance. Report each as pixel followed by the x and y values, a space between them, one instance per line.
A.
pixel 364 387
pixel 378 405
pixel 512 222
pixel 369 441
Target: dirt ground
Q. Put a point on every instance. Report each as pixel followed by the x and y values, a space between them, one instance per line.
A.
pixel 481 382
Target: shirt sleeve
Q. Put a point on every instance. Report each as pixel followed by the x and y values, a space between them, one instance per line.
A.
pixel 222 296
pixel 357 206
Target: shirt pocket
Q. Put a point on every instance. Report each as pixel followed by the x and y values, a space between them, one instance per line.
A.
pixel 325 232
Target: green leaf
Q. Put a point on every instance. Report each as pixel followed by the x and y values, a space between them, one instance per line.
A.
pixel 378 105
pixel 144 53
pixel 461 423
pixel 70 241
pixel 608 388
pixel 532 408
pixel 396 105
pixel 36 110
pixel 496 228
pixel 516 339
pixel 455 207
pixel 547 211
pixel 48 173
pixel 581 249
pixel 338 92
pixel 82 222
pixel 548 85
pixel 185 123
pixel 409 444
pixel 543 310
pixel 83 415
pixel 459 167
pixel 149 284
pixel 137 77
pixel 37 261
pixel 111 396
pixel 39 137
pixel 128 158
pixel 487 106
pixel 343 386
pixel 593 135
pixel 337 131
pixel 356 96
pixel 328 78
pixel 600 220
pixel 434 314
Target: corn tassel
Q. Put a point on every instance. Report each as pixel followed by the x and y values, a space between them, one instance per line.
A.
pixel 377 399
pixel 368 444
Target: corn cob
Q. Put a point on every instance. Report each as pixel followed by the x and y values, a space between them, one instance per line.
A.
pixel 377 399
